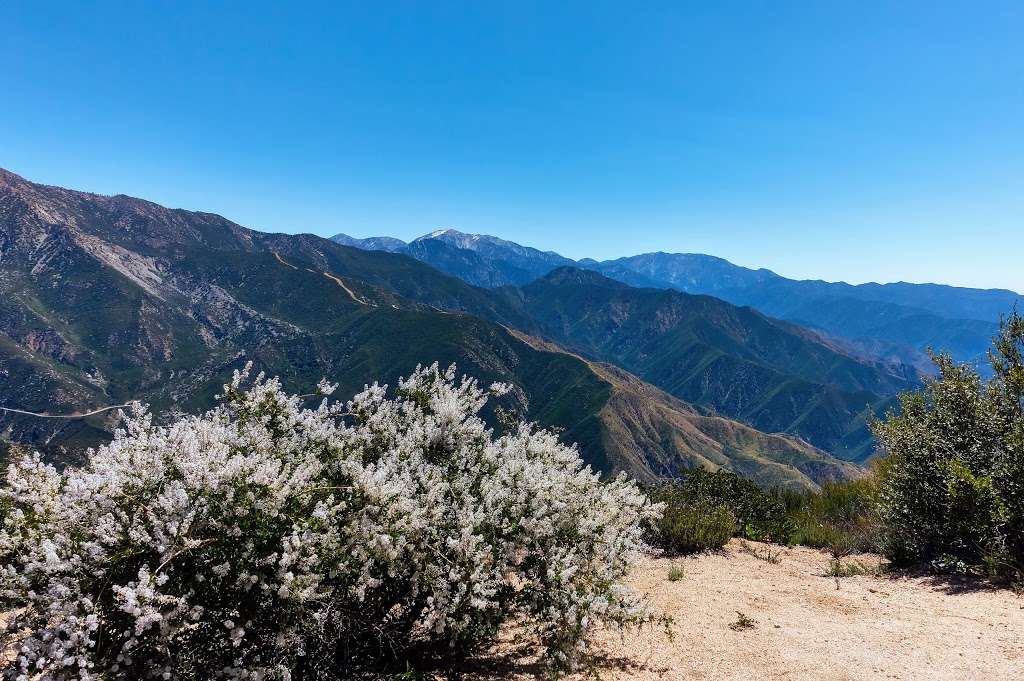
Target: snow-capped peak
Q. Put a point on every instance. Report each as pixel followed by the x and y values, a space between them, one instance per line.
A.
pixel 447 231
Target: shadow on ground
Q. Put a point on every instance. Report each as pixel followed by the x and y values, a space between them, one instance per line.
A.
pixel 522 661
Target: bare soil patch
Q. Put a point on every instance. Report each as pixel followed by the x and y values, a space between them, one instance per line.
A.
pixel 872 627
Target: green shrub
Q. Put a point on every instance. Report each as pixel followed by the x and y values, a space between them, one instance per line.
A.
pixel 840 514
pixel 743 622
pixel 689 527
pixel 758 515
pixel 951 489
pixel 764 553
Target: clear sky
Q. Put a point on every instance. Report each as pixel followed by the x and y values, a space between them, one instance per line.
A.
pixel 850 140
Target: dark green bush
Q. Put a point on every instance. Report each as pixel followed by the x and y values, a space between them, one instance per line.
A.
pixel 840 516
pixel 951 489
pixel 704 509
pixel 690 527
pixel 759 515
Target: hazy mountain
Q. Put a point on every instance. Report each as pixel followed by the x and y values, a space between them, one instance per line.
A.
pixel 373 243
pixel 107 299
pixel 894 322
pixel 776 376
pixel 884 317
pixel 688 272
pixel 533 262
pixel 467 265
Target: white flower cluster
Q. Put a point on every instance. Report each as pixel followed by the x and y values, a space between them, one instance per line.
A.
pixel 264 540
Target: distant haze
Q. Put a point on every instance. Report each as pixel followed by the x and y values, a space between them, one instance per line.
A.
pixel 857 142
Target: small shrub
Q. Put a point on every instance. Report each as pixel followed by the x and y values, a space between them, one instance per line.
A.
pixel 850 568
pixel 756 514
pixel 690 527
pixel 840 513
pixel 676 572
pixel 742 622
pixel 837 569
pixel 760 515
pixel 264 540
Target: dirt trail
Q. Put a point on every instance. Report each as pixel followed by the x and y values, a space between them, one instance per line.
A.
pixel 871 628
pixel 76 415
pixel 283 262
pixel 340 283
pixel 330 276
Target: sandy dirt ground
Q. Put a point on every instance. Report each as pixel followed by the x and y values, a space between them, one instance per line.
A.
pixel 872 627
pixel 8 641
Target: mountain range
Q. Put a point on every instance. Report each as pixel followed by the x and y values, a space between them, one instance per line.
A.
pixel 734 361
pixel 106 299
pixel 895 322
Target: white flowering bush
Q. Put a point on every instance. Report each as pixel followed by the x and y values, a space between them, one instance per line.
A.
pixel 264 540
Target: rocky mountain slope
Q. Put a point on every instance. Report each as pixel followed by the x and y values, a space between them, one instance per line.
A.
pixel 771 374
pixel 661 430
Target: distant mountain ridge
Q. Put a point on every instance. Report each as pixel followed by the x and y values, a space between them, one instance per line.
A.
pixel 380 243
pixel 477 259
pixel 110 298
pixel 894 322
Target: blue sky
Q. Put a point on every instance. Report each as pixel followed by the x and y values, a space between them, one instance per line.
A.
pixel 855 141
